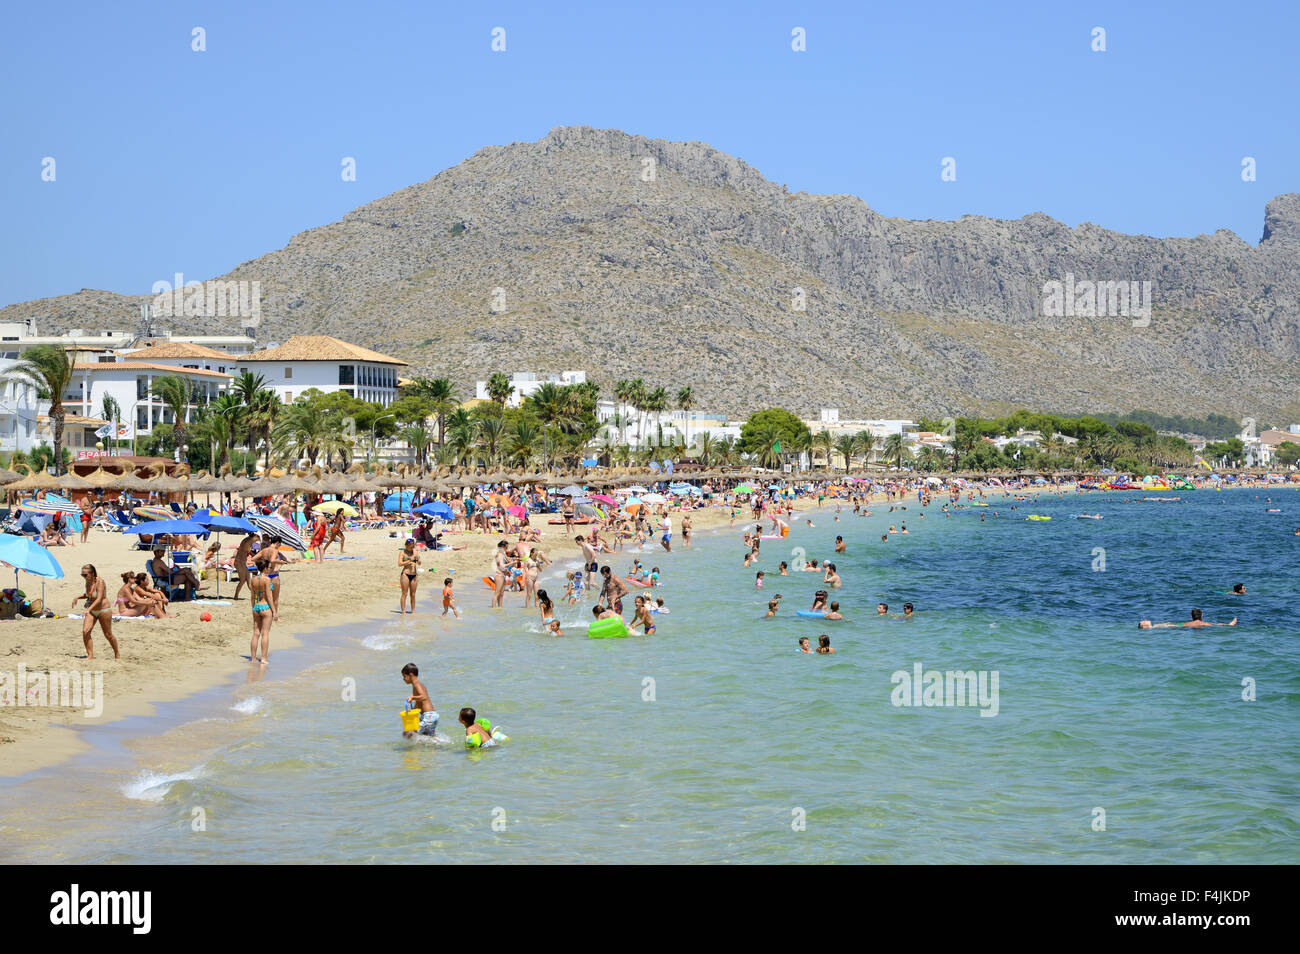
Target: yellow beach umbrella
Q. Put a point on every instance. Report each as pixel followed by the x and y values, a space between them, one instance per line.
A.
pixel 333 506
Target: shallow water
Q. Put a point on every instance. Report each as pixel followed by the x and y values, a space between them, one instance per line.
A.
pixel 744 738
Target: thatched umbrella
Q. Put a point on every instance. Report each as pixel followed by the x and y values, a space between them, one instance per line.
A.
pixel 37 481
pixel 71 481
pixel 8 476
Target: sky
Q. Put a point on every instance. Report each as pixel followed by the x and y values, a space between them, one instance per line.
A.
pixel 170 159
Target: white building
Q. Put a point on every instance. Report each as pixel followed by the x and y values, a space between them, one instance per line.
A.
pixel 327 365
pixel 524 383
pixel 18 336
pixel 131 385
pixel 688 425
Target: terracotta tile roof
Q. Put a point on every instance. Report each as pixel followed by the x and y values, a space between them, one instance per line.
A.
pixel 319 348
pixel 76 420
pixel 145 366
pixel 174 349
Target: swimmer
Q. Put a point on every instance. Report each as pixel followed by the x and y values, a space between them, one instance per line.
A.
pixel 660 608
pixel 785 570
pixel 803 645
pixel 1239 589
pixel 469 719
pixel 758 580
pixel 882 609
pixel 772 606
pixel 554 628
pixel 810 523
pixel 641 617
pixel 824 644
pixel 835 611
pixel 1196 622
pixel 819 601
pixel 420 697
pixel 832 576
pixel 840 546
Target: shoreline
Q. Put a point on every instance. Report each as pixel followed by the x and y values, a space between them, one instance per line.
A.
pixel 315 598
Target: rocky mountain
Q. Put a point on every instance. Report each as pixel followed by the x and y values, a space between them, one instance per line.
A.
pixel 623 256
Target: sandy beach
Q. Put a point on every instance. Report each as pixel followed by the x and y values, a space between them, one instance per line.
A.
pixel 168 659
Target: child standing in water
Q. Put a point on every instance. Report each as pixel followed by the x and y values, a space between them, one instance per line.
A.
pixel 448 600
pixel 420 697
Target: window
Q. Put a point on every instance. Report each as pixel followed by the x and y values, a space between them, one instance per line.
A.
pixel 142 418
pixel 288 374
pixel 141 387
pixel 346 374
pixel 288 397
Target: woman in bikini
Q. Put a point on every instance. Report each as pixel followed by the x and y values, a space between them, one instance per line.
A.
pixel 127 604
pixel 149 597
pixel 98 610
pixel 531 568
pixel 259 591
pixel 272 554
pixel 408 568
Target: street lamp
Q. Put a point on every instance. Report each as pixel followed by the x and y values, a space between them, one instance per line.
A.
pixel 373 428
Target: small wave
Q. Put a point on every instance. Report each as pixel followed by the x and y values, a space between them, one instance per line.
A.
pixel 153 786
pixel 385 641
pixel 250 705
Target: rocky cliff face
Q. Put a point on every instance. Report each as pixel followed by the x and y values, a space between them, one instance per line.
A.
pixel 625 256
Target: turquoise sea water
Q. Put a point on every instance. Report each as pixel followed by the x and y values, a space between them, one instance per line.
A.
pixel 749 751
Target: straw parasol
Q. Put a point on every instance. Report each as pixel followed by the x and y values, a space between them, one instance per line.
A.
pixel 35 481
pixel 8 476
pixel 71 481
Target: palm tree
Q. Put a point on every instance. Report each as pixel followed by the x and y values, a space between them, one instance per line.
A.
pixel 894 449
pixel 866 443
pixel 499 389
pixel 656 402
pixel 177 393
pixel 706 443
pixel 686 403
pixel 48 370
pixel 520 442
pixel 301 432
pixel 636 397
pixel 491 432
pixel 824 441
pixel 419 440
pixel 441 394
pixel 111 410
pixel 622 393
pixel 245 387
pixel 846 446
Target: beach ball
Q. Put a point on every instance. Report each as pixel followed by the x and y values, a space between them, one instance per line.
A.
pixel 206 617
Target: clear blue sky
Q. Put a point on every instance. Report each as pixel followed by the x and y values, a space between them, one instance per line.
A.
pixel 170 160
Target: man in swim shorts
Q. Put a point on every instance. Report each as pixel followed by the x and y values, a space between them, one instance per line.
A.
pixel 588 554
pixel 613 591
pixel 666 525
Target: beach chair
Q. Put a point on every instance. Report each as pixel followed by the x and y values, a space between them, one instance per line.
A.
pixel 176 509
pixel 174 593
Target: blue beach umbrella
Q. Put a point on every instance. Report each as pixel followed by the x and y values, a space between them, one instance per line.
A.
pixel 29 556
pixel 156 527
pixel 222 523
pixel 435 508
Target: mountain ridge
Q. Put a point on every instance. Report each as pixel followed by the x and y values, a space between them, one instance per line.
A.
pixel 691 278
